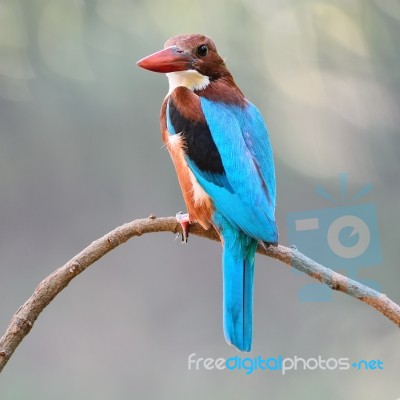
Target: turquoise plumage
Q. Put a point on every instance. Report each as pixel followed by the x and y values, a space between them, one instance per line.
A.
pixel 224 162
pixel 245 203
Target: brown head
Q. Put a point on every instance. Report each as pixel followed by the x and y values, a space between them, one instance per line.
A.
pixel 187 52
pixel 192 61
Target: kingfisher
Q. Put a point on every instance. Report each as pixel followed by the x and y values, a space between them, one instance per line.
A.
pixel 223 159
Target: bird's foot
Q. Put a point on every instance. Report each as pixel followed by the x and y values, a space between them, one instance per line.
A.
pixel 266 245
pixel 184 222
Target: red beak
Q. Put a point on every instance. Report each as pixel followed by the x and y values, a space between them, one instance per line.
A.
pixel 170 59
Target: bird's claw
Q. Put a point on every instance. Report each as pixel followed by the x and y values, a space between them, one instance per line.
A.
pixel 184 222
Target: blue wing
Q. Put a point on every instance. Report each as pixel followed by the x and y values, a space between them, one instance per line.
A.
pixel 228 150
pixel 245 193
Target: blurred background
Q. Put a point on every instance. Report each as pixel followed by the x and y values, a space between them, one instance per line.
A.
pixel 80 154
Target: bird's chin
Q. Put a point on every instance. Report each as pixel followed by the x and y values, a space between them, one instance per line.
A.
pixel 190 79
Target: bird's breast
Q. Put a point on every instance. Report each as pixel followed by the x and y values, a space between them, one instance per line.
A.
pixel 198 203
pixel 176 148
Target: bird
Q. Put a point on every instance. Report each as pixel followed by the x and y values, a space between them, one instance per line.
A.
pixel 221 151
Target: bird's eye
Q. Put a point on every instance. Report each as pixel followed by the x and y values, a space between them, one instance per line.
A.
pixel 202 50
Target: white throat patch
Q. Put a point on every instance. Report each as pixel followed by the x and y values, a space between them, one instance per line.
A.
pixel 190 79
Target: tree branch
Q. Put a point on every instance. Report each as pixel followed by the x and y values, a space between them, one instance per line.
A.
pixel 23 320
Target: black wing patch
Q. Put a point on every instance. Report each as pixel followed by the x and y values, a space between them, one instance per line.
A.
pixel 200 146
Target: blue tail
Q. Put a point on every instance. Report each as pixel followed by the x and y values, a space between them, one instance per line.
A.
pixel 238 284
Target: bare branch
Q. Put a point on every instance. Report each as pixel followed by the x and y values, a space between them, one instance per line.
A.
pixel 23 320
